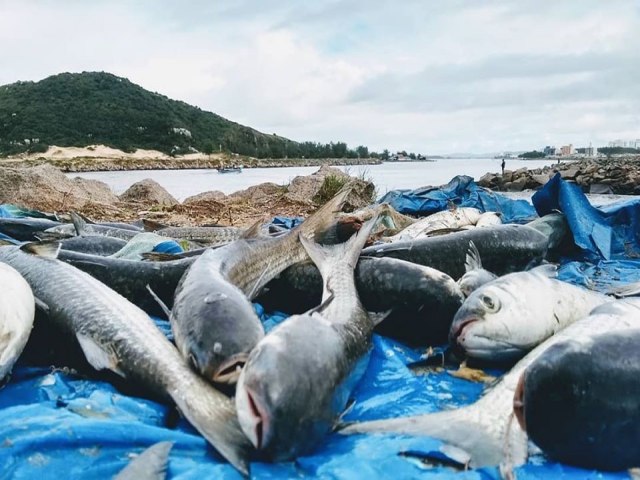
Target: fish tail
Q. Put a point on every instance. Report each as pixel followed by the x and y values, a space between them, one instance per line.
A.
pixel 150 464
pixel 324 218
pixel 213 415
pixel 461 428
pixel 324 256
pixel 473 261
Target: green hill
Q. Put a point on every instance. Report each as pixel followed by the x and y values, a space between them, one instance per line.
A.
pixel 80 109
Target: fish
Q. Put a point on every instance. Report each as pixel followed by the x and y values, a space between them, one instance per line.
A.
pixel 446 219
pixel 130 277
pixel 420 302
pixel 506 318
pixel 580 401
pixel 206 236
pixel 489 218
pixel 212 319
pixel 122 225
pixel 93 245
pixel 26 229
pixel 486 430
pixel 17 311
pixel 298 378
pixel 475 276
pixel 81 228
pixel 151 464
pixel 116 335
pixel 503 249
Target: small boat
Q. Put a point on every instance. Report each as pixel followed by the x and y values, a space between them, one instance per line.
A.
pixel 230 170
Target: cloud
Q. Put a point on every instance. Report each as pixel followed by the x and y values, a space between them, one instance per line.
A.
pixel 425 76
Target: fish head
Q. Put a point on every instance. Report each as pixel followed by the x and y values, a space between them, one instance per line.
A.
pixel 223 330
pixel 282 393
pixel 489 324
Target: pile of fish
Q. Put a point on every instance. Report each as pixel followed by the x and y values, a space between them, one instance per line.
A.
pixel 458 276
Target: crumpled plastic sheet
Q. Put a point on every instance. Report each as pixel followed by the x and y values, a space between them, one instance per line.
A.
pixel 57 424
pixel 463 192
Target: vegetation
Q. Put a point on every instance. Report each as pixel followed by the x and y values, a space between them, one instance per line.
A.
pixel 331 185
pixel 532 154
pixel 81 109
pixel 617 150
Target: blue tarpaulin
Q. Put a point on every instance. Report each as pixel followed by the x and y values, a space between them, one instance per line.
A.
pixel 463 192
pixel 55 424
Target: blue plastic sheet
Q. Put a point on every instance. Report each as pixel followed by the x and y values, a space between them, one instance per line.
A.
pixel 55 424
pixel 461 191
pixel 8 210
pixel 170 246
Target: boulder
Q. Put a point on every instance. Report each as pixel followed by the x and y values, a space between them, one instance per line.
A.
pixel 148 192
pixel 205 197
pixel 516 186
pixel 46 188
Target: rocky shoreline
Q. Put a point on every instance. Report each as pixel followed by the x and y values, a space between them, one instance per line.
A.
pixel 617 175
pixel 97 164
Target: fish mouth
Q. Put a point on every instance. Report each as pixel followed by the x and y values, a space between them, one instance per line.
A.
pixel 518 403
pixel 258 419
pixel 457 331
pixel 229 371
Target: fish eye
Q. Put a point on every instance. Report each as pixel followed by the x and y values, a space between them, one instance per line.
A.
pixel 491 305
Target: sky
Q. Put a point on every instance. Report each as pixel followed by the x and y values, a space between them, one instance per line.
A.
pixel 427 76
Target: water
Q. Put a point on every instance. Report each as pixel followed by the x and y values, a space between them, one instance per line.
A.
pixel 388 176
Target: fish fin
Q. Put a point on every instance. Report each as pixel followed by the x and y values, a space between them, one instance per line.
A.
pixel 473 261
pixel 42 249
pixel 159 301
pixel 629 290
pixel 255 230
pixel 151 464
pixel 151 225
pixel 322 305
pixel 97 357
pixel 216 421
pixel 348 251
pixel 323 218
pixel 378 317
pixel 86 219
pixel 51 236
pixel 257 287
pixel 459 428
pixel 78 222
pixel 41 305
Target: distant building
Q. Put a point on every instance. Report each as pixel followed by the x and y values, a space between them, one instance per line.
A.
pixel 567 150
pixel 549 150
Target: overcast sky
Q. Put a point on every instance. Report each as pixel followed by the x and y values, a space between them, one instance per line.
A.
pixel 425 75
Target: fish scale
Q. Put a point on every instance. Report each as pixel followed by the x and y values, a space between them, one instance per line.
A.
pixel 125 340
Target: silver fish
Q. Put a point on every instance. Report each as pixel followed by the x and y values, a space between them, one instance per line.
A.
pixel 116 335
pixel 149 465
pixel 82 228
pixel 486 430
pixel 506 318
pixel 17 310
pixel 213 321
pixel 299 377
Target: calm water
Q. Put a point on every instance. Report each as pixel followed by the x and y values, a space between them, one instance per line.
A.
pixel 388 176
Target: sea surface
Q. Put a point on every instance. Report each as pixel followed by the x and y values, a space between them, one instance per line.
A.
pixel 387 176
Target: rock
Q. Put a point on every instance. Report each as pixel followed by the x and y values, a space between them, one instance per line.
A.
pixel 46 188
pixel 148 192
pixel 570 172
pixel 540 179
pixel 489 180
pixel 259 194
pixel 205 197
pixel 516 186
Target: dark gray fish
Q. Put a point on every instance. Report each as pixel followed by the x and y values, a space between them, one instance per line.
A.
pixel 82 228
pixel 213 321
pixel 151 464
pixel 300 376
pixel 420 301
pixel 580 401
pixel 503 248
pixel 118 336
pixel 25 229
pixel 130 277
pixel 93 245
pixel 122 225
pixel 206 236
pixel 475 276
